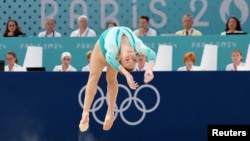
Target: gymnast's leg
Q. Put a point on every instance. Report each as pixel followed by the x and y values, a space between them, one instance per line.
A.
pixel 97 63
pixel 112 90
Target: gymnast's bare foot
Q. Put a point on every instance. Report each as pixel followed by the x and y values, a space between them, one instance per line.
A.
pixel 84 123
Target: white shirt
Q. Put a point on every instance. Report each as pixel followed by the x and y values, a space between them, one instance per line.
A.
pixel 53 34
pixel 143 69
pixel 191 32
pixel 194 68
pixel 225 33
pixel 87 33
pixel 150 32
pixel 230 67
pixel 59 68
pixel 15 68
pixel 86 68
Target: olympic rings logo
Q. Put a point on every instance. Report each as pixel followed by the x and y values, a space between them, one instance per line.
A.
pixel 124 105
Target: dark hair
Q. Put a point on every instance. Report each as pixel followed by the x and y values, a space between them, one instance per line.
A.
pixel 145 17
pixel 17 32
pixel 238 26
pixel 13 54
pixel 111 22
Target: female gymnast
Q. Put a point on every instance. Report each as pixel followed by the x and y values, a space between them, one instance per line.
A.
pixel 117 47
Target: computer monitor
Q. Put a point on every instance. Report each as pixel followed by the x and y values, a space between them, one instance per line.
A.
pixel 36 69
pixel 1 65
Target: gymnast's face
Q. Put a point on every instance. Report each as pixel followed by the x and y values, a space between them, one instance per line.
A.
pixel 128 59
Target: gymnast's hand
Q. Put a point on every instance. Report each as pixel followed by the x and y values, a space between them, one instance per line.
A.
pixel 132 84
pixel 148 76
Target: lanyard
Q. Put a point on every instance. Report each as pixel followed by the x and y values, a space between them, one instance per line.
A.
pixel 184 32
pixel 145 34
pixel 86 33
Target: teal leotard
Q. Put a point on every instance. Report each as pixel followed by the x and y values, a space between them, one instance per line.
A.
pixel 110 43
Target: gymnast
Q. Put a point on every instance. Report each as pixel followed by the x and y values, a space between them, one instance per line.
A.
pixel 116 47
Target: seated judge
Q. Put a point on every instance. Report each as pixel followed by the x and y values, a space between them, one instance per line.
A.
pixel 144 29
pixel 13 29
pixel 236 57
pixel 232 26
pixel 83 29
pixel 141 64
pixel 187 22
pixel 111 24
pixel 65 66
pixel 88 56
pixel 189 60
pixel 50 29
pixel 12 63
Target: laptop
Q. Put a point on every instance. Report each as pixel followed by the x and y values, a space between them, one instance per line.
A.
pixel 36 69
pixel 1 65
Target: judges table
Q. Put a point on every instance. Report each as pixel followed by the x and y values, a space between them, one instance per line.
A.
pixel 176 106
pixel 52 48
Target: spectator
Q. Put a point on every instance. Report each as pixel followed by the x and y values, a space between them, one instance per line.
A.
pixel 189 60
pixel 83 30
pixel 12 29
pixel 141 64
pixel 187 22
pixel 144 29
pixel 65 66
pixel 12 66
pixel 50 29
pixel 232 26
pixel 236 57
pixel 110 24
